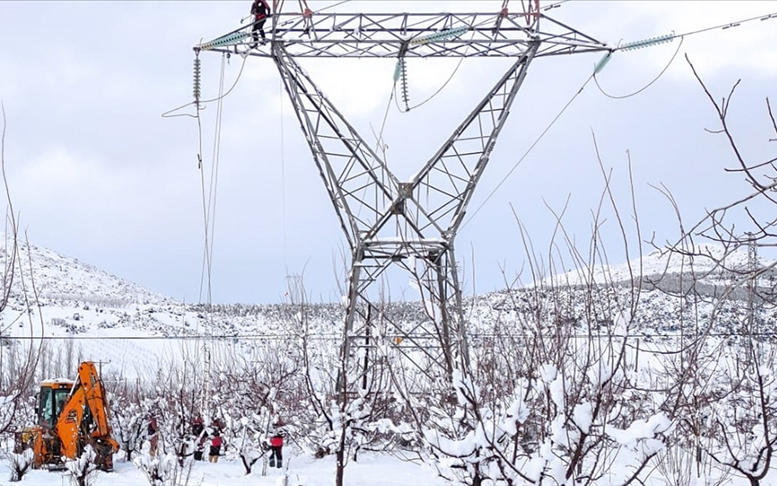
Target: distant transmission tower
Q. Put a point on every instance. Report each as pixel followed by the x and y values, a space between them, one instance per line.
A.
pixel 388 222
pixel 753 308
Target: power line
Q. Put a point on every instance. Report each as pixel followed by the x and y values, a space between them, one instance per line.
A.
pixel 337 336
pixel 624 47
pixel 729 24
pixel 621 97
pixel 528 151
pixel 668 38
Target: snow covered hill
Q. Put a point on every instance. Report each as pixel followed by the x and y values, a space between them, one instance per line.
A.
pixel 671 271
pixel 55 277
pixel 112 319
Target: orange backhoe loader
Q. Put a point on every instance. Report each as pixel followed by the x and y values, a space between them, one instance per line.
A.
pixel 70 417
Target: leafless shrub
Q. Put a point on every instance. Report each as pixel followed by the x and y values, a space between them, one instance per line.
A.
pixel 724 385
pixel 165 470
pixel 19 464
pixel 548 396
pixel 17 361
pixel 83 470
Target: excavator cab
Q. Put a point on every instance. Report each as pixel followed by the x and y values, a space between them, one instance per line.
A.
pixel 51 400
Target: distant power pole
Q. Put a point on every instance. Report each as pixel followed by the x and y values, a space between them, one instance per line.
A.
pixel 100 367
pixel 411 224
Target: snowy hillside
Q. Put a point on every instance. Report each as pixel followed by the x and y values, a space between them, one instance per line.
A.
pixel 77 302
pixel 111 319
pixel 56 277
pixel 663 263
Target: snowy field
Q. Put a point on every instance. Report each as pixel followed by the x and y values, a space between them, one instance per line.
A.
pixel 371 470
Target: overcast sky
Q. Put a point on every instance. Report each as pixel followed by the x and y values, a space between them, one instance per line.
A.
pixel 97 173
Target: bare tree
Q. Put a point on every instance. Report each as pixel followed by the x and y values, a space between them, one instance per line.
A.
pixel 129 418
pixel 260 383
pixel 548 397
pixel 725 389
pixel 17 362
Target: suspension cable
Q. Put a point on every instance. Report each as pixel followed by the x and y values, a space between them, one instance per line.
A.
pixel 528 151
pixel 209 196
pixel 621 97
pixel 725 26
pixel 283 180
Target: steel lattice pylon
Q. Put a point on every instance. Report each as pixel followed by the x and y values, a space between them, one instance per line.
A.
pixel 388 222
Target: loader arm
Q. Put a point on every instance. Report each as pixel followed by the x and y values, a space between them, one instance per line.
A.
pixel 84 419
pixel 96 402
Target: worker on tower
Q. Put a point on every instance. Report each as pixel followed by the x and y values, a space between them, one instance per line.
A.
pixel 260 10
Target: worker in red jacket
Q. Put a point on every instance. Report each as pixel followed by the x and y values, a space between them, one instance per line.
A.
pixel 260 10
pixel 276 445
pixel 215 447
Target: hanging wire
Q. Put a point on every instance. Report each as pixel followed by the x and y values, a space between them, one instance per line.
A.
pixel 528 151
pixel 209 196
pixel 621 97
pixel 170 113
pixel 439 90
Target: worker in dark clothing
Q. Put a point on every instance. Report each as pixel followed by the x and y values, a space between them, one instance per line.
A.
pixel 260 10
pixel 215 447
pixel 276 444
pixel 276 450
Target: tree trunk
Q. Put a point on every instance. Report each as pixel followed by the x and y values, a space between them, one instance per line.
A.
pixel 340 455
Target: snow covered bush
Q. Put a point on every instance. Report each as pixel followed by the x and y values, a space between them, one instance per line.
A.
pixel 548 395
pixel 19 464
pixel 725 394
pixel 83 471
pixel 720 384
pixel 129 424
pixel 164 469
pixel 739 427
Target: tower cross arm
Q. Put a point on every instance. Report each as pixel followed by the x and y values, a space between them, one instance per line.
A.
pixel 421 35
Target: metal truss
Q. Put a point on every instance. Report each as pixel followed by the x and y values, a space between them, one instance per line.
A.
pixel 411 224
pixel 387 222
pixel 410 35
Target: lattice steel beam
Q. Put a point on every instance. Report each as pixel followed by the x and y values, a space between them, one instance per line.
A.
pixel 385 222
pixel 412 35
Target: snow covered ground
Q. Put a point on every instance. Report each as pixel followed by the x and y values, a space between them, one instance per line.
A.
pixel 371 470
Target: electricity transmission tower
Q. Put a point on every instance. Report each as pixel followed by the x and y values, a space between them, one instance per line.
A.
pixel 407 223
